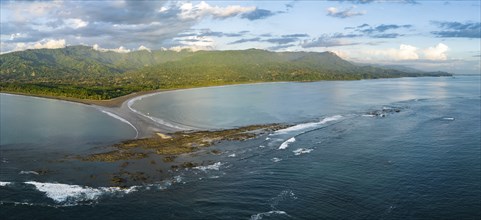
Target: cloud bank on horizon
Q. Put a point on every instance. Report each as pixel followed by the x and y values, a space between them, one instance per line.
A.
pixel 426 34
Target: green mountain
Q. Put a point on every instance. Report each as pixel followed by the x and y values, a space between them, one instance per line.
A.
pixel 82 72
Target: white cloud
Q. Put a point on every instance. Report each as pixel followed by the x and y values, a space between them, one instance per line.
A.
pixel 16 35
pixel 121 49
pixel 24 10
pixel 405 52
pixel 142 47
pixel 341 54
pixel 408 52
pixel 437 52
pixel 163 9
pixel 334 12
pixel 191 11
pixel 43 44
pixel 194 43
pixel 76 23
pixel 50 44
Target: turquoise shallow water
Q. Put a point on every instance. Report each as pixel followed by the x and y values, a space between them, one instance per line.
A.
pixel 342 160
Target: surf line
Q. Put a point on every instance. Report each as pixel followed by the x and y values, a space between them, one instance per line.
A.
pixel 122 120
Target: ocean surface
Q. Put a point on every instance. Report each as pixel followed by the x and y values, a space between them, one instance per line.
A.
pixel 405 148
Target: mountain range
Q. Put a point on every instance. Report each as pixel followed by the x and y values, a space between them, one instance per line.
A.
pixel 83 72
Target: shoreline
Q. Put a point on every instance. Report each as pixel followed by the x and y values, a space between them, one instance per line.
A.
pixel 118 101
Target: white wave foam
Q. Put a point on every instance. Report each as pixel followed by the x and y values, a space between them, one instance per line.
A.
pixel 178 179
pixel 122 120
pixel 308 125
pixel 267 214
pixel 302 151
pixel 275 159
pixel 232 155
pixel 215 166
pixel 28 172
pixel 5 183
pixel 262 146
pixel 285 144
pixel 71 194
pixel 448 119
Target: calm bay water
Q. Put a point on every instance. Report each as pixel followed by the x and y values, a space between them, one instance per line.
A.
pixel 230 106
pixel 339 161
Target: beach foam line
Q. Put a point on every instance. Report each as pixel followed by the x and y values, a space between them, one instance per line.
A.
pixel 285 144
pixel 122 120
pixel 308 125
pixel 72 194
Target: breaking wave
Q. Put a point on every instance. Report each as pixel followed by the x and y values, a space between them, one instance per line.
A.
pixel 275 159
pixel 300 151
pixel 305 126
pixel 215 166
pixel 73 194
pixel 28 172
pixel 5 183
pixel 285 144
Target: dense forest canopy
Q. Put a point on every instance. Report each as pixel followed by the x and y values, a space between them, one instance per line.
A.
pixel 82 72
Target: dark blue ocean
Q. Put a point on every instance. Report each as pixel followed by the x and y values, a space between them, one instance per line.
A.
pixel 405 148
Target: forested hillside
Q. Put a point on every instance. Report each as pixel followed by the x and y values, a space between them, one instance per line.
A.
pixel 82 72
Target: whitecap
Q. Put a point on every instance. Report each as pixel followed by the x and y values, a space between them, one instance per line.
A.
pixel 28 172
pixel 122 120
pixel 72 194
pixel 300 151
pixel 262 146
pixel 275 159
pixel 268 214
pixel 285 144
pixel 232 155
pixel 215 166
pixel 449 119
pixel 308 125
pixel 5 183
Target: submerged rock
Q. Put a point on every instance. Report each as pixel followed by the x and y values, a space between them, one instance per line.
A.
pixel 384 111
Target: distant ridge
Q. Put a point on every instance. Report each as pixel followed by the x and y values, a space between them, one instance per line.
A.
pixel 82 72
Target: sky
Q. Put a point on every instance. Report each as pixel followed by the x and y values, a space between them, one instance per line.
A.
pixel 429 35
